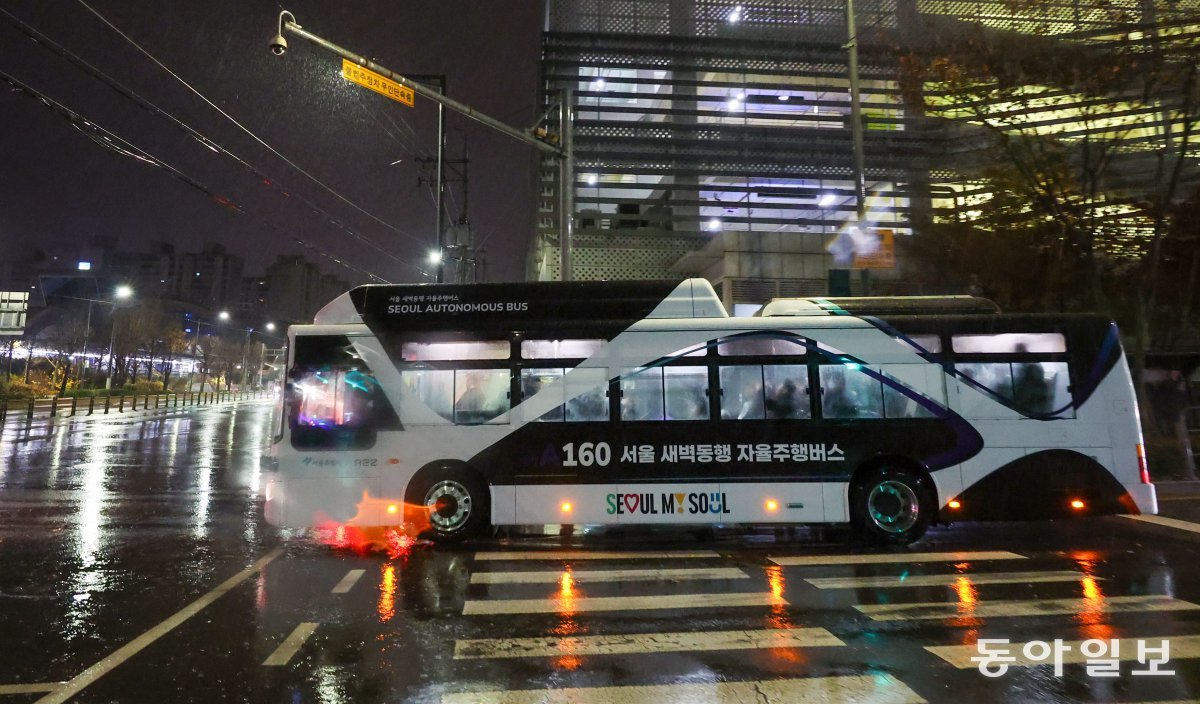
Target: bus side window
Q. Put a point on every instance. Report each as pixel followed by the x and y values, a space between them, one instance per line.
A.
pixel 994 376
pixel 846 392
pixel 534 381
pixel 742 392
pixel 786 389
pixel 481 395
pixel 587 395
pixel 642 394
pixel 686 393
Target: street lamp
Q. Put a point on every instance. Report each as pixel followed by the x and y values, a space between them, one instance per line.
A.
pixel 223 315
pixel 122 293
pixel 270 327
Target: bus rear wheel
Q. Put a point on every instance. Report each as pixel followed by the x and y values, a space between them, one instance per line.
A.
pixel 456 504
pixel 892 506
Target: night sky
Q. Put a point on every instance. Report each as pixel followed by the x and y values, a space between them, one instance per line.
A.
pixel 57 186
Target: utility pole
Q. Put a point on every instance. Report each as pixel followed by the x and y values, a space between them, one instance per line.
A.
pixel 287 23
pixel 856 132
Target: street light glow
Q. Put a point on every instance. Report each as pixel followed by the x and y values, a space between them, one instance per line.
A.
pixel 123 292
pixel 223 315
pixel 826 200
pixel 714 224
pixel 270 327
pixel 592 179
pixel 435 257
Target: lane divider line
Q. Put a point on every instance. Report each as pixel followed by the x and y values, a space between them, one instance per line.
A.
pixel 640 643
pixel 885 558
pixel 348 581
pixel 290 645
pixel 81 681
pixel 1164 521
pixel 878 688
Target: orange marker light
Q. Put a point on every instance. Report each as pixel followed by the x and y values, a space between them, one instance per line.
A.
pixel 772 505
pixel 1076 504
pixel 954 504
pixel 393 508
pixel 566 507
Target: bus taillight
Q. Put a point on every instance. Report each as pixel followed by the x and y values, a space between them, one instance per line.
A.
pixel 1143 469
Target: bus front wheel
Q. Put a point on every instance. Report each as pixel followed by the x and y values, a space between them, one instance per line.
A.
pixel 457 506
pixel 892 506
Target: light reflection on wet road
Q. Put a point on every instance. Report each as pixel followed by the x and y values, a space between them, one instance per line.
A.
pixel 110 526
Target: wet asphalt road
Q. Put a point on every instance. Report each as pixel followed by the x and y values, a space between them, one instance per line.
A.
pixel 135 567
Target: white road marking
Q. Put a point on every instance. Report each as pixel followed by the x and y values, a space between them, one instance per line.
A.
pixel 290 645
pixel 35 688
pixel 587 576
pixel 876 559
pixel 592 555
pixel 133 647
pixel 946 580
pixel 880 688
pixel 1182 648
pixel 1164 521
pixel 348 581
pixel 570 604
pixel 644 643
pixel 1031 607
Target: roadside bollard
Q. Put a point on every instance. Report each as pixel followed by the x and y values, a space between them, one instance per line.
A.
pixel 74 405
pixel 107 401
pixel 121 403
pixel 53 406
pixel 91 404
pixel 29 413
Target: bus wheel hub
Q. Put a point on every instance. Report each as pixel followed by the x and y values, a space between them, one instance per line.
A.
pixel 449 505
pixel 892 506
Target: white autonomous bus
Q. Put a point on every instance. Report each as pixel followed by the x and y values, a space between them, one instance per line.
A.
pixel 622 403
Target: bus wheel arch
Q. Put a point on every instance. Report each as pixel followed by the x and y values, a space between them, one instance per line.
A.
pixel 893 500
pixel 449 501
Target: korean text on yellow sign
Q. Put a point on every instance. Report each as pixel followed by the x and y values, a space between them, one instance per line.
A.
pixel 369 79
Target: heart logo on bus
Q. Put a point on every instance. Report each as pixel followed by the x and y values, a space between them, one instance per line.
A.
pixel 631 502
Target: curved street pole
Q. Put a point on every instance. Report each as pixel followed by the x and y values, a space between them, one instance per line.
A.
pixel 563 152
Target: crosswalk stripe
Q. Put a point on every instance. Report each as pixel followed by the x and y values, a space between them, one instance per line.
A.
pixel 290 645
pixel 644 643
pixel 593 555
pixel 1164 521
pixel 1031 607
pixel 1182 647
pixel 876 559
pixel 571 604
pixel 586 576
pixel 947 580
pixel 879 688
pixel 348 581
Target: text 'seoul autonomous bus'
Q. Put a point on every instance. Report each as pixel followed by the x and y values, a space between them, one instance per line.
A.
pixel 643 402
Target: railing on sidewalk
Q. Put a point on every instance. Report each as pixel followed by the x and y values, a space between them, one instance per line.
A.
pixel 67 406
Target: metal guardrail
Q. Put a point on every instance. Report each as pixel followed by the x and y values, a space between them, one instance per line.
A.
pixel 68 406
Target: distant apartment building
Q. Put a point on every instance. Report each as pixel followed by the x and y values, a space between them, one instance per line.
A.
pixel 211 278
pixel 296 289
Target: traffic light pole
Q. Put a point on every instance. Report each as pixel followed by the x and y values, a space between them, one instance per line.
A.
pixel 562 152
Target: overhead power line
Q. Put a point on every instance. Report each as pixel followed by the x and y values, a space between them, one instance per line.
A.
pixel 116 143
pixel 49 44
pixel 245 129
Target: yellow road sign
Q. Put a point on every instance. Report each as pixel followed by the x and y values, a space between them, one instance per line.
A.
pixel 367 78
pixel 877 251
